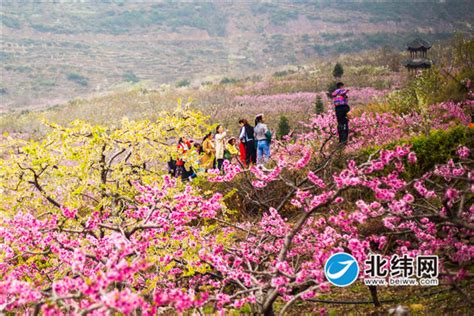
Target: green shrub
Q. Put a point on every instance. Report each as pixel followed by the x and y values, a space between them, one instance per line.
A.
pixel 226 80
pixel 130 77
pixel 338 71
pixel 206 83
pixel 78 78
pixel 332 86
pixel 439 146
pixel 183 83
pixel 318 105
pixel 283 73
pixel 455 87
pixel 436 148
pixel 306 38
pixel 283 126
pixel 46 82
pixel 10 22
pixel 419 93
pixel 281 17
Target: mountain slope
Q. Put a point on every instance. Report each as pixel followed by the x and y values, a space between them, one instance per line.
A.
pixel 54 51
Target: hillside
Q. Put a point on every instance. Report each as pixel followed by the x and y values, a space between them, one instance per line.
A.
pixel 123 201
pixel 51 52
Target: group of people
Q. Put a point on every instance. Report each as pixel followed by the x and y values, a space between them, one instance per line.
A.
pixel 252 147
pixel 253 144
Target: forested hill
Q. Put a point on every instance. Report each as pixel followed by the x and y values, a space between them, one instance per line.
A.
pixel 57 50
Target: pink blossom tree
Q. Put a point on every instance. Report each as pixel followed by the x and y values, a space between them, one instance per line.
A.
pixel 176 249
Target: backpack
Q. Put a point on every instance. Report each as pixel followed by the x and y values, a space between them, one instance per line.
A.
pixel 268 135
pixel 227 155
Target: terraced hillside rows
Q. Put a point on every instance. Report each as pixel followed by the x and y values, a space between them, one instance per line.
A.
pixel 53 51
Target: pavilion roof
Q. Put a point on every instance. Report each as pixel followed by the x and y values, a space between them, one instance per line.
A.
pixel 418 44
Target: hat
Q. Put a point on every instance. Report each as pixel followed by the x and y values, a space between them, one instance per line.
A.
pixel 259 115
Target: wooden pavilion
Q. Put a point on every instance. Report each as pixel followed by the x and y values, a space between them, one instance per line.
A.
pixel 418 60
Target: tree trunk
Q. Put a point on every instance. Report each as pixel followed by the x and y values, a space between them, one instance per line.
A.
pixel 373 292
pixel 269 311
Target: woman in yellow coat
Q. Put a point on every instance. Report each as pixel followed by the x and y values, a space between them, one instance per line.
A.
pixel 208 152
pixel 231 150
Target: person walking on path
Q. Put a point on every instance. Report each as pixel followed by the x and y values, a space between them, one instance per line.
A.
pixel 339 98
pixel 247 137
pixel 263 138
pixel 220 145
pixel 208 152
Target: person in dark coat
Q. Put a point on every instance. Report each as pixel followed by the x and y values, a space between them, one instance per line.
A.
pixel 247 138
pixel 339 98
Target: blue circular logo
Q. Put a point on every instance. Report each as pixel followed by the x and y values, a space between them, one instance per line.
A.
pixel 341 269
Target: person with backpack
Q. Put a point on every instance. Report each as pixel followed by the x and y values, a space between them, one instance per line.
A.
pixel 263 137
pixel 220 145
pixel 339 98
pixel 247 138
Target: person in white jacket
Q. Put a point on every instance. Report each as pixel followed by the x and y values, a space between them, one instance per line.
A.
pixel 220 145
pixel 263 138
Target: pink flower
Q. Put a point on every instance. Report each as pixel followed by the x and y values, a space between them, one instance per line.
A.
pixel 338 200
pixel 324 287
pixel 78 260
pixel 412 158
pixel 68 213
pixel 296 203
pixel 259 184
pixel 463 152
pixel 316 180
pixel 279 281
pixel 408 198
pixel 308 294
pixel 390 222
pixel 451 194
pixel 305 159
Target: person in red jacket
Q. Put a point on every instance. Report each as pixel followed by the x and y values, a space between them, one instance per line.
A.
pixel 183 146
pixel 243 154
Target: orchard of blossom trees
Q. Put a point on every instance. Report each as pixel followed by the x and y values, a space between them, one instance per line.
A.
pixel 89 225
